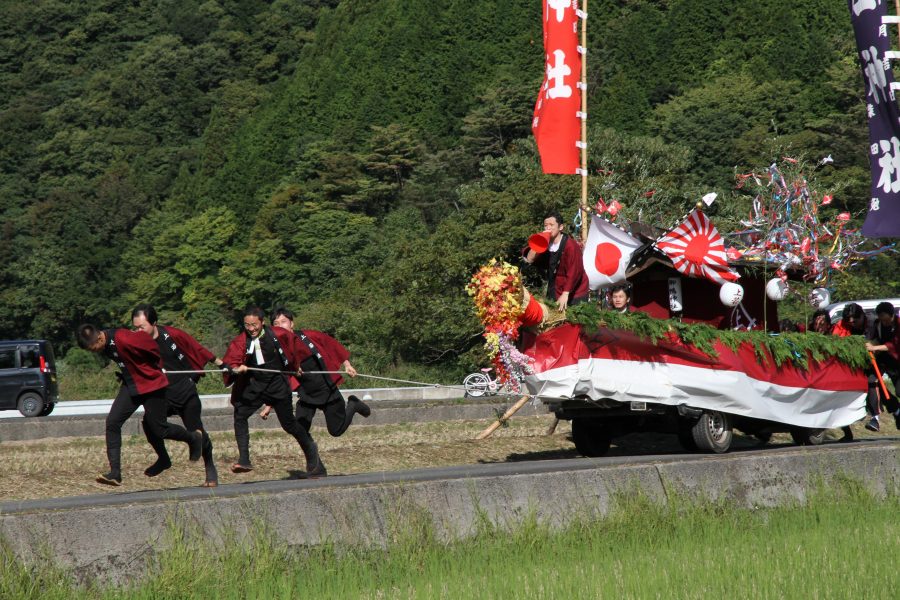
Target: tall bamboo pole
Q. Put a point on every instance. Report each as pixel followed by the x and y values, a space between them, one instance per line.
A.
pixel 585 215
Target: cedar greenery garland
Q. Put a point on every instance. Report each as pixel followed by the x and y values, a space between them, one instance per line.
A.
pixel 785 347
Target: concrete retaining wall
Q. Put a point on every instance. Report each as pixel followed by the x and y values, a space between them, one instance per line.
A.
pixel 110 537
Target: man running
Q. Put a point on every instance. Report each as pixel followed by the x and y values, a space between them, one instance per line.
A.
pixel 259 361
pixel 180 352
pixel 143 384
pixel 321 352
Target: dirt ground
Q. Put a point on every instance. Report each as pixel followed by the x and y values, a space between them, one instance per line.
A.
pixel 67 466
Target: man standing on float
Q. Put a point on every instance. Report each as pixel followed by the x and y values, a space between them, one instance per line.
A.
pixel 560 262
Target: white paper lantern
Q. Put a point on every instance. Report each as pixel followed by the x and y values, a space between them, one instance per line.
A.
pixel 776 289
pixel 819 298
pixel 676 301
pixel 731 294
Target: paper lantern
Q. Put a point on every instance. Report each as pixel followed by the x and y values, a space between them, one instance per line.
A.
pixel 776 289
pixel 819 298
pixel 676 300
pixel 731 294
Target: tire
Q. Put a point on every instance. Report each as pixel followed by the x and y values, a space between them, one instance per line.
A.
pixel 591 437
pixel 31 404
pixel 686 438
pixel 48 408
pixel 476 384
pixel 712 432
pixel 803 436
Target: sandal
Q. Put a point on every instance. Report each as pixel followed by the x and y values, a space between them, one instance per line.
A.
pixel 239 468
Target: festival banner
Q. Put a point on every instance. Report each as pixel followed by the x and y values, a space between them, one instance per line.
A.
pixel 874 46
pixel 556 124
pixel 607 253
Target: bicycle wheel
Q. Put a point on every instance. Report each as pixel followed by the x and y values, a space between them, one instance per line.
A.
pixel 476 384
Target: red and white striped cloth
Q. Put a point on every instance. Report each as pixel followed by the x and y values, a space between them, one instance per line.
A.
pixel 697 250
pixel 620 366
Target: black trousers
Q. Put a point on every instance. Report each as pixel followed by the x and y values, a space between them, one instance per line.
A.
pixel 278 396
pixel 316 392
pixel 155 423
pixel 337 417
pixel 183 400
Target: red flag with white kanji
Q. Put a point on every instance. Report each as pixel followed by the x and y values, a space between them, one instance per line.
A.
pixel 556 124
pixel 697 250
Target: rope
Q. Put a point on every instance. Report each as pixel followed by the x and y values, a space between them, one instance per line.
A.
pixel 378 377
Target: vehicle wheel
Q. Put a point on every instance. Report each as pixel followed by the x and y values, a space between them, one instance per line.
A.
pixel 686 438
pixel 712 432
pixel 476 384
pixel 803 436
pixel 31 404
pixel 591 437
pixel 48 408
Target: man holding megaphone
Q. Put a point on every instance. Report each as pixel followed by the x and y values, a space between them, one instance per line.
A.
pixel 558 257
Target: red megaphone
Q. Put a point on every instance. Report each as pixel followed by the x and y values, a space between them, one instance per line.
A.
pixel 539 242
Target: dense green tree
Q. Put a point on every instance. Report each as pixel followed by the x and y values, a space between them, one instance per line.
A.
pixel 359 159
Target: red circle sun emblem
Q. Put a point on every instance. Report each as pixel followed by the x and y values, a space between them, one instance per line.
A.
pixel 607 258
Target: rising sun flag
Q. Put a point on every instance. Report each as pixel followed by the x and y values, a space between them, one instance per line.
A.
pixel 697 250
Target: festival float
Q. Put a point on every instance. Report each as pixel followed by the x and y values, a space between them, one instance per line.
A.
pixel 699 353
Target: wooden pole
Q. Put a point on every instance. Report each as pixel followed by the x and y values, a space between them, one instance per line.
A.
pixel 552 429
pixel 585 215
pixel 513 410
pixel 878 374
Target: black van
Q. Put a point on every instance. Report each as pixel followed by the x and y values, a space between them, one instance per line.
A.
pixel 28 377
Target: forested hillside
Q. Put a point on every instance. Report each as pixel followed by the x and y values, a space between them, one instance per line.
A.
pixel 358 159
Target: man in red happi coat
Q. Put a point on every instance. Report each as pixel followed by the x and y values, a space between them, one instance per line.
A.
pixel 143 384
pixel 260 361
pixel 561 264
pixel 321 352
pixel 180 352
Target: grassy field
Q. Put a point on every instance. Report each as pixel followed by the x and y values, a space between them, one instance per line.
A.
pixel 67 466
pixel 833 547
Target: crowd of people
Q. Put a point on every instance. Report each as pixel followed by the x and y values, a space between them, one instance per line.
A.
pixel 159 367
pixel 882 342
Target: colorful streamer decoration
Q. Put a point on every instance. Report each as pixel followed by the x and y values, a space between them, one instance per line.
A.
pixel 795 228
